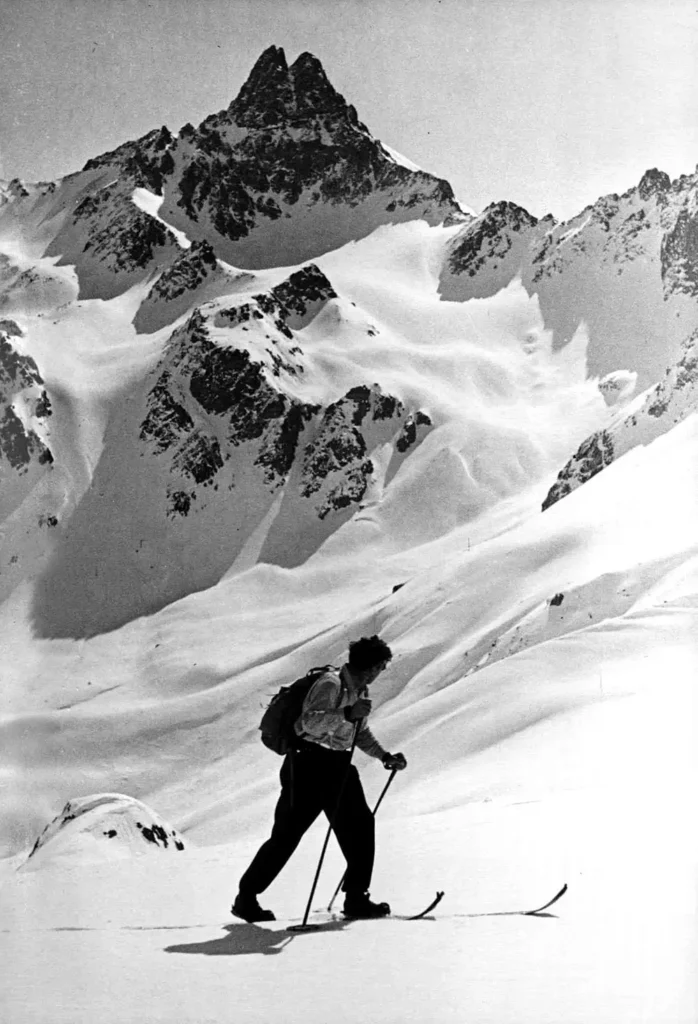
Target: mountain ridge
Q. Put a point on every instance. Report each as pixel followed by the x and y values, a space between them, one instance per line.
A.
pixel 235 440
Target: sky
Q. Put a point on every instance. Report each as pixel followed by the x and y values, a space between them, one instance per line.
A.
pixel 548 103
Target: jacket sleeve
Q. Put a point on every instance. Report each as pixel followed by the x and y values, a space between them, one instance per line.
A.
pixel 367 742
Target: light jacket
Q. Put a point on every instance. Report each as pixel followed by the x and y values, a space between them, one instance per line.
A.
pixel 322 719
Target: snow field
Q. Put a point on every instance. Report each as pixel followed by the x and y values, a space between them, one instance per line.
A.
pixel 547 742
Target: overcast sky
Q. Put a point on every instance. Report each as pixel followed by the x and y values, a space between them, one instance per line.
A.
pixel 548 103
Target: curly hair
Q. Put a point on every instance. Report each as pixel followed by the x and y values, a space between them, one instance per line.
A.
pixel 367 653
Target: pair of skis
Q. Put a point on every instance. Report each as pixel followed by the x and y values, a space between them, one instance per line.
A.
pixel 539 911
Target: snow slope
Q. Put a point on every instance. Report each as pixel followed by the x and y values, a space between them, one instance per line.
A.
pixel 571 759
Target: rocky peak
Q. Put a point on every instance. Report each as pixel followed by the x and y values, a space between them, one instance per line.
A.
pixel 505 213
pixel 653 182
pixel 144 161
pixel 11 328
pixel 303 293
pixel 182 277
pixel 275 93
pixel 487 252
pixel 24 409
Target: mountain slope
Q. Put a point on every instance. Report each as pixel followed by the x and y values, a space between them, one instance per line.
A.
pixel 214 450
pixel 624 268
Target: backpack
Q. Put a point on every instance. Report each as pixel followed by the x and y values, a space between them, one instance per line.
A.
pixel 284 710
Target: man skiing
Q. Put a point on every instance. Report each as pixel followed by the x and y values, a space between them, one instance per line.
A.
pixel 318 776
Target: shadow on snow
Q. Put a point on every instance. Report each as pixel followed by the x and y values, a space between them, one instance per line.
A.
pixel 243 939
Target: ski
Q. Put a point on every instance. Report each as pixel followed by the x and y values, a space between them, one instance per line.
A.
pixel 335 919
pixel 434 903
pixel 539 911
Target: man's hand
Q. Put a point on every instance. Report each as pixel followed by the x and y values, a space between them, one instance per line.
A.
pixel 358 710
pixel 394 762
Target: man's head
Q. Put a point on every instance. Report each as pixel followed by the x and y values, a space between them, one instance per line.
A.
pixel 367 658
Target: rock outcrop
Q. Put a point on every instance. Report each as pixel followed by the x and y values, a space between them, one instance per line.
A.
pixel 651 414
pixel 25 410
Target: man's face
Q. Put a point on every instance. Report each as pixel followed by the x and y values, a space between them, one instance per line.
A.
pixel 373 673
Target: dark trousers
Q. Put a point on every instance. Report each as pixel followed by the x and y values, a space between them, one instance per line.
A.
pixel 311 781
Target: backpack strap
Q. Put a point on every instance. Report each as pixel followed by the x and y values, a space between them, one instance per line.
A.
pixel 321 670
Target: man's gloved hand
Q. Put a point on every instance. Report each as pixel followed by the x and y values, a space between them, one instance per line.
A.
pixel 394 762
pixel 358 710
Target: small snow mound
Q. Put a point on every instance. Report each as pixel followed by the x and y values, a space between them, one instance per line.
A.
pixel 618 386
pixel 104 826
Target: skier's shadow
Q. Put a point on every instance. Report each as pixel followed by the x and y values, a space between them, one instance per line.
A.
pixel 243 939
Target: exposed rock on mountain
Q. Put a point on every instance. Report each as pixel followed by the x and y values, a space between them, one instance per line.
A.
pixel 651 414
pixel 104 826
pixel 679 252
pixel 193 277
pixel 11 329
pixel 24 412
pixel 336 468
pixel 288 172
pixel 591 457
pixel 653 182
pixel 32 289
pixel 488 252
pixel 111 242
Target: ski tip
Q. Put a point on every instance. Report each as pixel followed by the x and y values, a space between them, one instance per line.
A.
pixel 556 897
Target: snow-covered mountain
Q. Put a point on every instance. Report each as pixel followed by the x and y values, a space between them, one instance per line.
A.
pixel 624 268
pixel 286 173
pixel 265 386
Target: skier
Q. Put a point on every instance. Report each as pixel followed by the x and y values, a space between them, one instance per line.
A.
pixel 318 776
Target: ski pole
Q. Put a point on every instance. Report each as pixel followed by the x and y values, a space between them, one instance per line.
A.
pixel 374 812
pixel 305 926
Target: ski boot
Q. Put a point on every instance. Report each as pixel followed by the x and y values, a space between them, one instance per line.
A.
pixel 357 905
pixel 247 907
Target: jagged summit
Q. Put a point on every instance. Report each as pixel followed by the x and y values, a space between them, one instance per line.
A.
pixel 653 181
pixel 275 93
pixel 286 173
